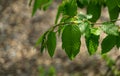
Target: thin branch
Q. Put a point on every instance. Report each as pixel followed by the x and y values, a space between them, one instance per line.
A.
pixel 103 22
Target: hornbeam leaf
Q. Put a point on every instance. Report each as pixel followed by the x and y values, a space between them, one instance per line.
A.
pixel 118 41
pixel 51 43
pixel 71 40
pixel 118 2
pixel 111 4
pixel 70 8
pixel 94 10
pixel 39 40
pixel 110 28
pixel 59 11
pixel 108 43
pixel 38 4
pixel 114 13
pixel 92 43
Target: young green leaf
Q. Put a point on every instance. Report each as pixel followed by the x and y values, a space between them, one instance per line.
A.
pixel 92 43
pixel 95 31
pixel 71 40
pixel 110 28
pixel 94 10
pixel 108 43
pixel 51 43
pixel 84 28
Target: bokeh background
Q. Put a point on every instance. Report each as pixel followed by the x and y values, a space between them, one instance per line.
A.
pixel 19 32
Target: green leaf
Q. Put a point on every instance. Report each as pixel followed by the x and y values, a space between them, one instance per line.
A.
pixel 113 9
pixel 47 4
pixel 110 28
pixel 79 4
pixel 60 29
pixel 114 13
pixel 39 40
pixel 111 4
pixel 84 28
pixel 92 43
pixel 43 44
pixel 94 10
pixel 39 4
pixel 59 11
pixel 96 31
pixel 118 3
pixel 70 8
pixel 108 43
pixel 118 41
pixel 51 43
pixel 71 40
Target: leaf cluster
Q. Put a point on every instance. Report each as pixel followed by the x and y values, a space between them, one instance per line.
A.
pixel 72 25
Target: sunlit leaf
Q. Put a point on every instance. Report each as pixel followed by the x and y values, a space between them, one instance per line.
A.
pixel 71 40
pixel 110 28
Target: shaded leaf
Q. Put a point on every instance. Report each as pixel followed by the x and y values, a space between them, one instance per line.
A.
pixel 71 40
pixel 114 13
pixel 118 3
pixel 108 43
pixel 51 43
pixel 113 9
pixel 111 4
pixel 79 4
pixel 70 8
pixel 118 41
pixel 43 44
pixel 94 10
pixel 110 28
